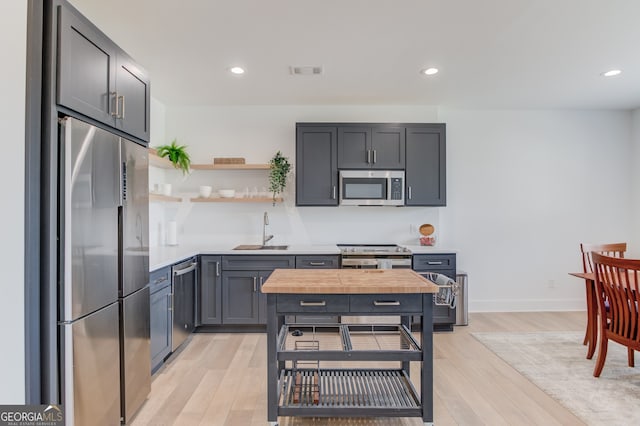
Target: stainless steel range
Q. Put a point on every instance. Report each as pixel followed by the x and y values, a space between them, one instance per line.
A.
pixel 375 256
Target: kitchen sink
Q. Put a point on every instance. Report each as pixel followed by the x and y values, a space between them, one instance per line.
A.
pixel 259 247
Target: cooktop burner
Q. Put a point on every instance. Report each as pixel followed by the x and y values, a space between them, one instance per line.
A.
pixel 347 249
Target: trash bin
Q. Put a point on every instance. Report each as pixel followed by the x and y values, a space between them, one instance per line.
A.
pixel 462 306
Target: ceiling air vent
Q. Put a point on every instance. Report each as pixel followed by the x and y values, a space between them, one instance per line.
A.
pixel 305 70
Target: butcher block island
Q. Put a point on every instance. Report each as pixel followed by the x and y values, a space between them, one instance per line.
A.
pixel 348 370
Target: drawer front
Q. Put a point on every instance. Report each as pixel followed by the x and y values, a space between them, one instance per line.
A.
pixel 257 263
pixel 159 279
pixel 385 303
pixel 434 262
pixel 312 303
pixel 317 262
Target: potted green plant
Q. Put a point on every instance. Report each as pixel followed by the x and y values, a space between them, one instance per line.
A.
pixel 177 154
pixel 279 169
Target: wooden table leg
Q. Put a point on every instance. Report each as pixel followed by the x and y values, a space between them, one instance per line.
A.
pixel 592 318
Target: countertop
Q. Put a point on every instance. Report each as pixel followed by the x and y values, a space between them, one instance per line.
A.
pixel 347 281
pixel 168 255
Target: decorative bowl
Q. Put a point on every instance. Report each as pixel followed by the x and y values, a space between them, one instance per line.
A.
pixel 227 193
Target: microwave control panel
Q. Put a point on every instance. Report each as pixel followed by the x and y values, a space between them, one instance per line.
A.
pixel 396 188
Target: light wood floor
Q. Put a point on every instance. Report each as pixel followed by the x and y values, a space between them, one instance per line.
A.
pixel 220 379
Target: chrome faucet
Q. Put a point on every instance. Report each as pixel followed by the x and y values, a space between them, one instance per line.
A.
pixel 265 237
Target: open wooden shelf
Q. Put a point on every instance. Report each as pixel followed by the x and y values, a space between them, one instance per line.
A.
pixel 230 166
pixel 164 198
pixel 235 200
pixel 156 161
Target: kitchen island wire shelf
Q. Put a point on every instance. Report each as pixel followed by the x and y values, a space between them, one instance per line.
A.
pixel 374 391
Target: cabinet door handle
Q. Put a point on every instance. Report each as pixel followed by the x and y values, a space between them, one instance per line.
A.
pixel 368 156
pixel 409 188
pixel 320 303
pixel 333 193
pixel 161 279
pixel 261 281
pixel 386 303
pixel 170 302
pixel 122 109
pixel 114 112
pixel 433 262
pixel 317 263
pixel 217 269
pixel 255 284
pixel 374 153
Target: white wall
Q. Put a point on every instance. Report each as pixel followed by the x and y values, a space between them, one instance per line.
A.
pixel 635 188
pixel 256 133
pixel 13 30
pixel 521 188
pixel 524 189
pixel 157 137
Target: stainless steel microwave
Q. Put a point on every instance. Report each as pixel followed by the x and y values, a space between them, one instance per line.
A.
pixel 372 187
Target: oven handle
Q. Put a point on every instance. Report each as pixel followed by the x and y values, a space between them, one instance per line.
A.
pixel 359 262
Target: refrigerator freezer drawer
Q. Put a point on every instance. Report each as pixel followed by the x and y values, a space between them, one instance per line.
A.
pixel 92 368
pixel 136 352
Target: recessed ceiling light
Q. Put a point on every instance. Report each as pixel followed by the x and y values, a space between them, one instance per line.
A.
pixel 611 73
pixel 430 71
pixel 237 70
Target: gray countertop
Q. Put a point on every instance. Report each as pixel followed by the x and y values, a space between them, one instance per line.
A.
pixel 168 255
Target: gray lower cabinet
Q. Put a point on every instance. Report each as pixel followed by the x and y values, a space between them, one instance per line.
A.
pixel 242 277
pixel 160 316
pixel 444 317
pixel 317 181
pixel 210 290
pixel 241 297
pixel 425 171
pixel 97 79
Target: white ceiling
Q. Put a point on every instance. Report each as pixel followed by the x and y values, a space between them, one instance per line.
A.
pixel 491 53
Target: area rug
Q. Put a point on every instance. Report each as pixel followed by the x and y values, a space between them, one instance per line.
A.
pixel 556 363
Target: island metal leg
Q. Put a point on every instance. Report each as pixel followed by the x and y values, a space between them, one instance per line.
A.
pixel 426 376
pixel 272 361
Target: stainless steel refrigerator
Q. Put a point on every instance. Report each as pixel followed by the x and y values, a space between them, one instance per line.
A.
pixel 104 296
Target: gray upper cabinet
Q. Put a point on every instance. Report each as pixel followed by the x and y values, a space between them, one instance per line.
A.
pixel 97 79
pixel 317 166
pixel 133 97
pixel 425 171
pixel 375 147
pixel 86 65
pixel 387 148
pixel 354 148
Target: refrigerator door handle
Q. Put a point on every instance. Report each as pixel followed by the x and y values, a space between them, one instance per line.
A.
pixel 186 270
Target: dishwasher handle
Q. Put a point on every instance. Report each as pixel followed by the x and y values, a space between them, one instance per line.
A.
pixel 178 272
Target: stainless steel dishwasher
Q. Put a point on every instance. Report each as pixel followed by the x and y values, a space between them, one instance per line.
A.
pixel 184 300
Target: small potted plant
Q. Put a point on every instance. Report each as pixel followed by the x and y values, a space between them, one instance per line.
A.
pixel 177 154
pixel 279 169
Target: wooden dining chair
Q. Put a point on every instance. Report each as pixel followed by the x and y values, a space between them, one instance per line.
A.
pixel 617 280
pixel 612 250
